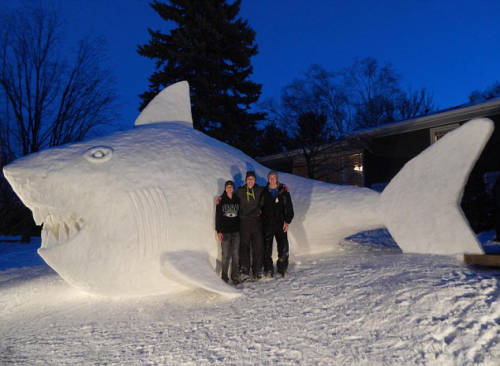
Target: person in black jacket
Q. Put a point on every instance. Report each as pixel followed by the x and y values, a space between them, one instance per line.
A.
pixel 227 225
pixel 277 214
pixel 496 194
pixel 250 227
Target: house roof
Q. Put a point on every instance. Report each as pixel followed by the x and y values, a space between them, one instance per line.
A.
pixel 460 113
pixel 456 114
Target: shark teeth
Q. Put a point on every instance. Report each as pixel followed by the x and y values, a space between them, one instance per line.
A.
pixel 40 214
pixel 37 216
pixel 57 231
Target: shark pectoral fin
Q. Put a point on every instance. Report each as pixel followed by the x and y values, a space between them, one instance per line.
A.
pixel 421 205
pixel 172 104
pixel 193 269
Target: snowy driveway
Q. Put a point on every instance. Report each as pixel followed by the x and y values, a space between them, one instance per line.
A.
pixel 368 305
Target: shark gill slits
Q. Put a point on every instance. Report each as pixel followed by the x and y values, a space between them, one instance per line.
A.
pixel 151 214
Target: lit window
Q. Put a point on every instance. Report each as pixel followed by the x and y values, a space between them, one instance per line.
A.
pixel 358 168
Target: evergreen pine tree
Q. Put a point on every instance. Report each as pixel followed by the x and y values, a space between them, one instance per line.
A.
pixel 272 139
pixel 211 49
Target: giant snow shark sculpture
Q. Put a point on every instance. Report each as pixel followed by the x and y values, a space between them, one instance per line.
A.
pixel 133 213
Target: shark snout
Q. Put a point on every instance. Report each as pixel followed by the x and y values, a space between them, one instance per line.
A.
pixel 16 172
pixel 25 182
pixel 10 172
pixel 16 177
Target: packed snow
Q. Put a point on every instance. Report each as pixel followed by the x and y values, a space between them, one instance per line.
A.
pixel 367 304
pixel 421 203
pixel 126 214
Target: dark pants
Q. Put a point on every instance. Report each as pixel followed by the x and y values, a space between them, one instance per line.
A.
pixel 231 252
pixel 283 250
pixel 251 241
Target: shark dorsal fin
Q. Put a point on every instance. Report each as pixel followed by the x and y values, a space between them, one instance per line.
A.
pixel 172 104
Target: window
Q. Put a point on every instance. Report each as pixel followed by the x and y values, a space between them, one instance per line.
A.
pixel 437 132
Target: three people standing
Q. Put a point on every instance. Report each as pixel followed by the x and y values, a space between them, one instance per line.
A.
pixel 263 213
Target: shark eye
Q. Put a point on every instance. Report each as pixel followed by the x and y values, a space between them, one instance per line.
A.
pixel 99 154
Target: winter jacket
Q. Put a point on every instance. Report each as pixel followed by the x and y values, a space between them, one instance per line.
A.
pixel 250 201
pixel 227 218
pixel 277 209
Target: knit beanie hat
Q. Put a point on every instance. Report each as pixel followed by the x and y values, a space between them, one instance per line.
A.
pixel 250 173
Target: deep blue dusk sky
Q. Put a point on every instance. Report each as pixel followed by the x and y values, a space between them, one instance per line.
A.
pixel 450 47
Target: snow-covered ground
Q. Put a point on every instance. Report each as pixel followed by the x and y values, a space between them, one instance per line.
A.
pixel 367 305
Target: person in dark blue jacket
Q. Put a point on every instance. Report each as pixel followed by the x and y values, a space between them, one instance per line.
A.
pixel 227 225
pixel 277 214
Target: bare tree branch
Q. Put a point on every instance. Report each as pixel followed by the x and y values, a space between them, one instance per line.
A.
pixel 53 100
pixel 414 103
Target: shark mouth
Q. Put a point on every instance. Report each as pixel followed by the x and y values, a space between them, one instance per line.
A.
pixel 57 231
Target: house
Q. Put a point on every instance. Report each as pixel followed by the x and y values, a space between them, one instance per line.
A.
pixel 372 157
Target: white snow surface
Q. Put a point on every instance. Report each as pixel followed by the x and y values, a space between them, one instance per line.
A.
pixel 120 212
pixel 369 304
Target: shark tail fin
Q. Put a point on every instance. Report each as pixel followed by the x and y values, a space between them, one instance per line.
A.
pixel 421 205
pixel 172 104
